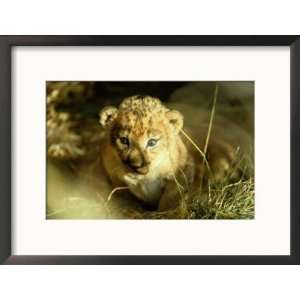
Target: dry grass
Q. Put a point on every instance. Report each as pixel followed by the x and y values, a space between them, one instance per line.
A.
pixel 224 201
pixel 233 198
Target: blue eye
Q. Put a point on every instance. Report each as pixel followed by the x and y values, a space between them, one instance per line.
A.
pixel 152 143
pixel 124 141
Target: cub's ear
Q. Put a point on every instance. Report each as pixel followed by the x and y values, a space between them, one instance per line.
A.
pixel 107 115
pixel 176 119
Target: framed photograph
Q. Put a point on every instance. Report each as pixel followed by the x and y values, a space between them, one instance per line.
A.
pixel 149 149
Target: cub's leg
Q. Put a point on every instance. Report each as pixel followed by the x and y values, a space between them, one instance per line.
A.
pixel 221 157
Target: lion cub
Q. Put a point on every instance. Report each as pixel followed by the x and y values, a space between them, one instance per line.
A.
pixel 145 151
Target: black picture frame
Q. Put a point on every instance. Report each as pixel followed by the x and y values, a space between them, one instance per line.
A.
pixel 6 148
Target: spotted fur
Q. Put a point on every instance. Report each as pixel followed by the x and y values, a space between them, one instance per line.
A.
pixel 149 172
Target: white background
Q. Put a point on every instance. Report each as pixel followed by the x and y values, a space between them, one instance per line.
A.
pixel 136 17
pixel 267 234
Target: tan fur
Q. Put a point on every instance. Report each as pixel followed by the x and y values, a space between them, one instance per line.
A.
pixel 166 171
pixel 140 119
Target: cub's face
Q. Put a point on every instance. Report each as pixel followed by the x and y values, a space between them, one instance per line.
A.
pixel 142 136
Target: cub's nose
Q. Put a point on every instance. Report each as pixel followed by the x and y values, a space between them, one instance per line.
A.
pixel 138 166
pixel 135 162
pixel 135 159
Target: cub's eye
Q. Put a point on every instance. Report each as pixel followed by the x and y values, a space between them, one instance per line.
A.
pixel 152 143
pixel 124 141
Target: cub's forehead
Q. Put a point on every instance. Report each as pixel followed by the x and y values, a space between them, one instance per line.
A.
pixel 139 116
pixel 141 112
pixel 135 124
pixel 142 105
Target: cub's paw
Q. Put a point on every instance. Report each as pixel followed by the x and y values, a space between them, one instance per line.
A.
pixel 222 158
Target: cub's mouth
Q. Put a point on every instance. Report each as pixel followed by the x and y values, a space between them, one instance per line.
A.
pixel 141 170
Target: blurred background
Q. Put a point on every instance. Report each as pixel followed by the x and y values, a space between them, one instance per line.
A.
pixel 74 136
